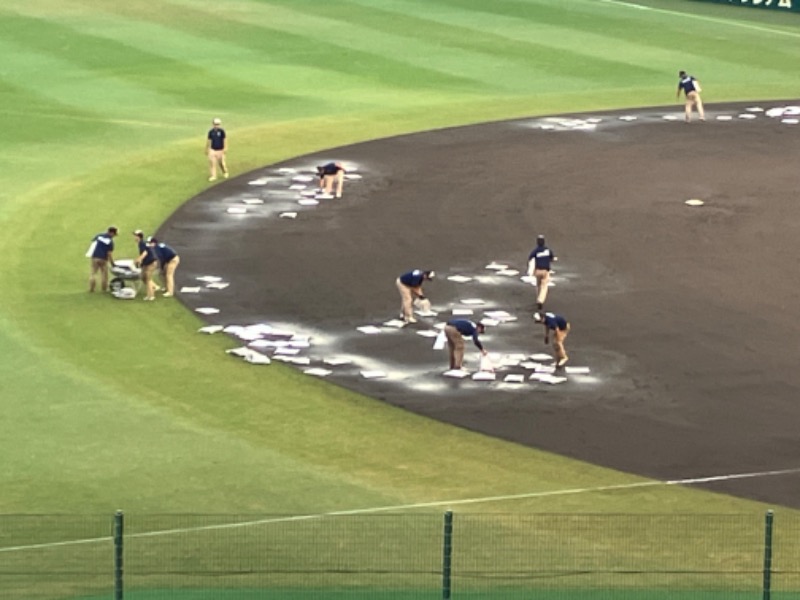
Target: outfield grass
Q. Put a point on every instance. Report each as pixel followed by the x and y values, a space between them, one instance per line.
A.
pixel 121 405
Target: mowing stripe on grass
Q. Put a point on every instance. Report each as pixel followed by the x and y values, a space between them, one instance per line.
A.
pixel 444 503
pixel 728 22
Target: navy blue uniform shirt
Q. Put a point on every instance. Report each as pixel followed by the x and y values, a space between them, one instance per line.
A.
pixel 330 169
pixel 543 257
pixel 164 253
pixel 413 278
pixel 554 321
pixel 149 257
pixel 687 84
pixel 102 244
pixel 467 328
pixel 217 137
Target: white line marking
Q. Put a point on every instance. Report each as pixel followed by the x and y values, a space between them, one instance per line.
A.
pixel 90 119
pixel 676 13
pixel 443 503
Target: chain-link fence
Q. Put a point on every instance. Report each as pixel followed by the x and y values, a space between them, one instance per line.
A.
pixel 401 556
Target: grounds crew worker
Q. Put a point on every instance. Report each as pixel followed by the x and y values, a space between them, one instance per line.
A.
pixel 168 260
pixel 410 287
pixel 101 252
pixel 560 328
pixel 147 261
pixel 539 266
pixel 330 173
pixel 216 147
pixel 455 331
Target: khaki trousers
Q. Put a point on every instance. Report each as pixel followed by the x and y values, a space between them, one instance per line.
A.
pixel 559 335
pixel 455 346
pixel 99 265
pixel 542 283
pixel 216 157
pixel 169 274
pixel 147 279
pixel 338 179
pixel 406 299
pixel 693 99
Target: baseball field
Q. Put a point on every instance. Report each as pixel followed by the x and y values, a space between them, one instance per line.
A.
pixel 112 405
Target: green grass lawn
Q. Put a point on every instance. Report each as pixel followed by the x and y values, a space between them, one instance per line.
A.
pixel 112 405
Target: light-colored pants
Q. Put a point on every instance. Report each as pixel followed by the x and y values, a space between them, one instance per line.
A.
pixel 542 283
pixel 406 299
pixel 169 274
pixel 98 265
pixel 216 157
pixel 455 346
pixel 329 180
pixel 693 99
pixel 147 279
pixel 559 335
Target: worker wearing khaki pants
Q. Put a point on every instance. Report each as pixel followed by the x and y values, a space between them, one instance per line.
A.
pixel 539 261
pixel 560 328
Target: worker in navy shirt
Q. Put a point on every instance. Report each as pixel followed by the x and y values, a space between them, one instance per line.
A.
pixel 455 331
pixel 559 326
pixel 101 253
pixel 330 173
pixel 168 260
pixel 216 146
pixel 539 261
pixel 410 287
pixel 691 90
pixel 146 260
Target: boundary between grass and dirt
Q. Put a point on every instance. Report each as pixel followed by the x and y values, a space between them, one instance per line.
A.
pixel 412 506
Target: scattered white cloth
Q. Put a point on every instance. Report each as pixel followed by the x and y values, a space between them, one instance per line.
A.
pixel 440 342
pixel 373 374
pixel 456 373
pixel 318 372
pixel 484 376
pixel 369 329
pixel 210 329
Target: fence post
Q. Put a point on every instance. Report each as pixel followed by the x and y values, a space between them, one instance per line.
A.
pixel 447 554
pixel 767 588
pixel 119 523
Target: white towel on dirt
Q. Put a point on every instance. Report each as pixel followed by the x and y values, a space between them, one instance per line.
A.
pixel 424 305
pixel 440 342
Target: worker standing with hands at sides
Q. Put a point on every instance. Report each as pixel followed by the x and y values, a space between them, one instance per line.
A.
pixel 216 147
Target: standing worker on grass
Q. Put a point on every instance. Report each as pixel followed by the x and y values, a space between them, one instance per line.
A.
pixel 560 328
pixel 216 146
pixel 147 261
pixel 410 287
pixel 455 331
pixel 101 253
pixel 168 260
pixel 539 266
pixel 691 89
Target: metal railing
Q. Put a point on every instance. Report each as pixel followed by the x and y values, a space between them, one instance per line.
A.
pixel 400 556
